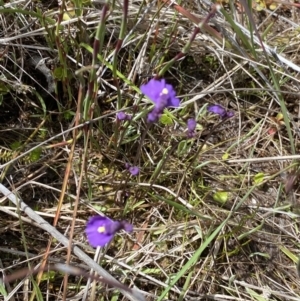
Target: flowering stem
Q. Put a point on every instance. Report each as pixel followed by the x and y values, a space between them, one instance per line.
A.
pixel 141 144
pixel 117 49
pixel 200 24
pixel 92 85
pixel 181 54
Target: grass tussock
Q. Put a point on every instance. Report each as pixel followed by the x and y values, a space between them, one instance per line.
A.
pixel 215 210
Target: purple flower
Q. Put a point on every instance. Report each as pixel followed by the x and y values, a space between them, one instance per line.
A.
pixel 219 110
pixel 123 116
pixel 134 170
pixel 191 125
pixel 100 230
pixel 162 94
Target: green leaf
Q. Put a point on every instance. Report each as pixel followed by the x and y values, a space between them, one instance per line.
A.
pixel 15 145
pixel 265 255
pixel 289 254
pixel 115 297
pixel 42 101
pixel 255 295
pixel 43 133
pixel 225 156
pixel 221 197
pixel 182 148
pixel 259 178
pixel 37 291
pixel 137 205
pixel 4 89
pixel 2 290
pixel 166 120
pixel 152 271
pixel 100 208
pixel 68 115
pixel 298 267
pixel 58 73
pixel 35 154
pixel 48 276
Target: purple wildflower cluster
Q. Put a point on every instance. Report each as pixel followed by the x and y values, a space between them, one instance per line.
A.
pixel 100 230
pixel 162 94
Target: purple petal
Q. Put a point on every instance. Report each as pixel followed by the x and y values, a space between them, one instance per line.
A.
pixel 153 116
pixel 229 114
pixel 126 226
pixel 217 109
pixel 121 116
pixel 162 94
pixel 96 231
pixel 191 125
pixel 134 170
pixel 100 230
pixel 153 89
pixel 173 101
